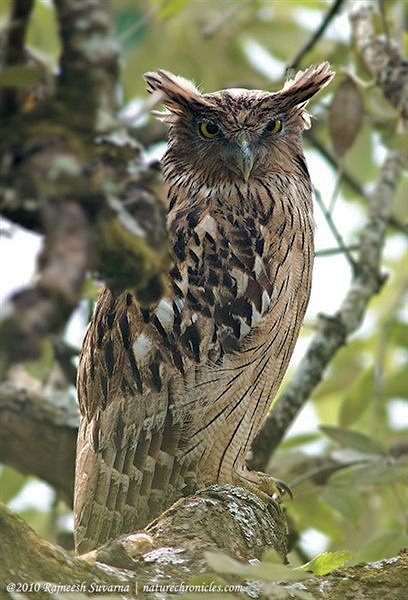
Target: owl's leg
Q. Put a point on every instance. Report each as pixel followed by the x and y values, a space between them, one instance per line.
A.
pixel 264 486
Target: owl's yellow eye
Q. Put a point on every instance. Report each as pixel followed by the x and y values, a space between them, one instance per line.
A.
pixel 208 129
pixel 274 126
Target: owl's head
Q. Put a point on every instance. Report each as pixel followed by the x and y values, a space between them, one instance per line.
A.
pixel 234 134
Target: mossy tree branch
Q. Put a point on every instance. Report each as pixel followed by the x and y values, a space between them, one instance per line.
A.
pixel 38 438
pixel 172 550
pixel 60 179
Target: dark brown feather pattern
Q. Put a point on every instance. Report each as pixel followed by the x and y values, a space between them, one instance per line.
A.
pixel 172 397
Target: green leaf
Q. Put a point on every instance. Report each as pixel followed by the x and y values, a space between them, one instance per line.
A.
pixel 271 556
pixel 400 204
pixel 378 473
pixel 20 76
pixel 399 333
pixel 43 32
pixel 326 562
pixel 396 384
pixel 131 24
pixel 359 160
pixel 170 8
pixel 310 510
pixel 41 368
pixel 358 398
pixel 353 439
pixel 299 440
pixel 5 7
pixel 11 482
pixel 386 544
pixel 344 370
pixel 222 563
pixel 91 290
pixel 345 500
pixel 396 141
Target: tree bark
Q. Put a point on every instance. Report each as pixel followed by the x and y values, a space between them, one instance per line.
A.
pixel 38 437
pixel 171 552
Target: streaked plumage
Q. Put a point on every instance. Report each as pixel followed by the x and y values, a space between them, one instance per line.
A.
pixel 172 397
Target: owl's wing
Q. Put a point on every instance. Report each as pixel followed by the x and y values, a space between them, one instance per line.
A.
pixel 138 370
pixel 126 471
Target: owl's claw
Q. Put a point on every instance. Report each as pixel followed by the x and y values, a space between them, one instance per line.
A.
pixel 266 487
pixel 283 488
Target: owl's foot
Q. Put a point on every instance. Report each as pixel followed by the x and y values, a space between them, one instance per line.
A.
pixel 266 487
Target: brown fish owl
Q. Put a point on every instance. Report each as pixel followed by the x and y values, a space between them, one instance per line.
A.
pixel 171 398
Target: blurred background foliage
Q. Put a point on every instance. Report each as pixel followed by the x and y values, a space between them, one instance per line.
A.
pixel 349 477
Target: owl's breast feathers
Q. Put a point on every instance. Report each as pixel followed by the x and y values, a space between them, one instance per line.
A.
pixel 232 250
pixel 221 271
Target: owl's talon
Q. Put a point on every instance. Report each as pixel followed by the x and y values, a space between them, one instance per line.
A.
pixel 266 487
pixel 283 488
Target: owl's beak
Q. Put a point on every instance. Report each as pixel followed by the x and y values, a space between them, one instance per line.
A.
pixel 245 159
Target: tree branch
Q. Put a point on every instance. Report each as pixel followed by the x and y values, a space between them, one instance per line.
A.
pixel 89 61
pixel 38 437
pixel 312 41
pixel 20 15
pixel 172 550
pixel 382 59
pixel 45 307
pixel 333 331
pixel 14 48
pixel 57 179
pixel 347 178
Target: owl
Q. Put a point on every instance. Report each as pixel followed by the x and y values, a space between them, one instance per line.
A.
pixel 171 397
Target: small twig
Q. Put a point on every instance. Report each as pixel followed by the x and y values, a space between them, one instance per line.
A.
pixel 211 30
pixel 152 101
pixel 402 227
pixel 14 48
pixel 312 41
pixel 337 250
pixel 64 354
pixel 331 159
pixel 138 25
pixel 322 472
pixel 329 220
pixel 384 22
pixel 152 132
pixel 336 190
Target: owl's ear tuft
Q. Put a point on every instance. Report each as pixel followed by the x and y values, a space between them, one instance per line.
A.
pixel 305 85
pixel 297 92
pixel 179 94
